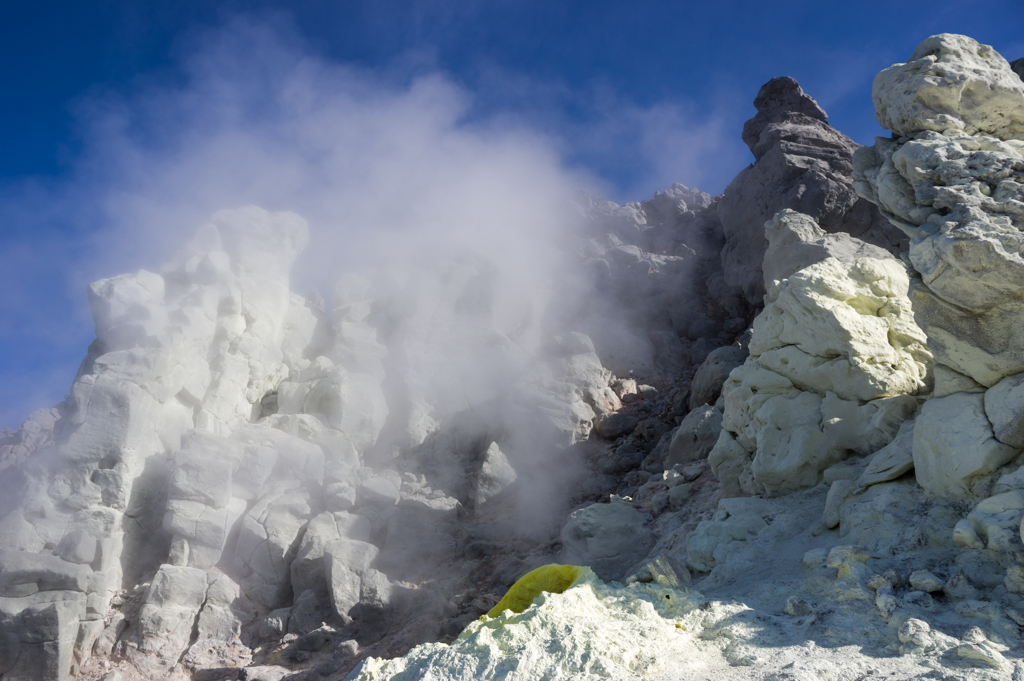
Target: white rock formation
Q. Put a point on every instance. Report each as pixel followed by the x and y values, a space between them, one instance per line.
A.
pixel 954 182
pixel 181 357
pixel 951 83
pixel 220 429
pixel 236 467
pixel 835 363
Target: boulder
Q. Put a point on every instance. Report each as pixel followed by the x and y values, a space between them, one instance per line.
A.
pixel 346 560
pixel 378 604
pixel 38 638
pixel 695 437
pixel 377 491
pixel 1004 407
pixel 651 429
pixel 307 613
pixel 611 426
pixel 609 538
pixel 789 460
pixel 951 83
pixel 169 610
pixel 835 363
pixel 268 540
pixel 707 383
pixel 893 460
pixel 308 569
pixel 731 463
pixel 996 521
pixel 219 626
pixel 954 445
pixel 663 571
pixel 495 475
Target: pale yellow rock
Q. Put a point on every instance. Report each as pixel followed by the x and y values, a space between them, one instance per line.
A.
pixel 790 460
pixel 865 428
pixel 959 193
pixel 729 460
pixel 948 381
pixel 746 390
pixel 954 445
pixel 836 361
pixel 847 328
pixel 951 82
pixel 893 460
pixel 1004 406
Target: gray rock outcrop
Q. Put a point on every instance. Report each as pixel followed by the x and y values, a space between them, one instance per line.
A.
pixel 657 295
pixel 1018 67
pixel 695 437
pixel 706 386
pixel 800 163
pixel 610 538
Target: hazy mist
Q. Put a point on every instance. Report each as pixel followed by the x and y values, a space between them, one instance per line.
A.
pixel 393 171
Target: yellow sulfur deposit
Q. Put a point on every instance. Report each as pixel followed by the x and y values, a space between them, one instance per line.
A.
pixel 551 578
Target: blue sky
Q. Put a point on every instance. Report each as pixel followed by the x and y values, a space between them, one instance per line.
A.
pixel 109 110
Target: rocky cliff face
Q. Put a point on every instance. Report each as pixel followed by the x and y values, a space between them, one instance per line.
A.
pixel 243 485
pixel 801 163
pixel 836 362
pixel 952 180
pixel 236 470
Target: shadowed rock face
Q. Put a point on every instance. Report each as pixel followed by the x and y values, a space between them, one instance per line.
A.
pixel 1018 67
pixel 801 163
pixel 777 99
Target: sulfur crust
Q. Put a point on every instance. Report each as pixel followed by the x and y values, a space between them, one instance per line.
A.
pixel 592 630
pixel 551 578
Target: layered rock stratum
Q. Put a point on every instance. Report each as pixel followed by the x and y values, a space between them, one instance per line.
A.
pixel 780 428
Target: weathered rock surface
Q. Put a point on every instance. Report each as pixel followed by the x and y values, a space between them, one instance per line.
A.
pixel 954 182
pixel 610 538
pixel 893 460
pixel 835 362
pixel 695 437
pixel 239 479
pixel 16 446
pixel 706 386
pixel 951 83
pixel 954 445
pixel 801 163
